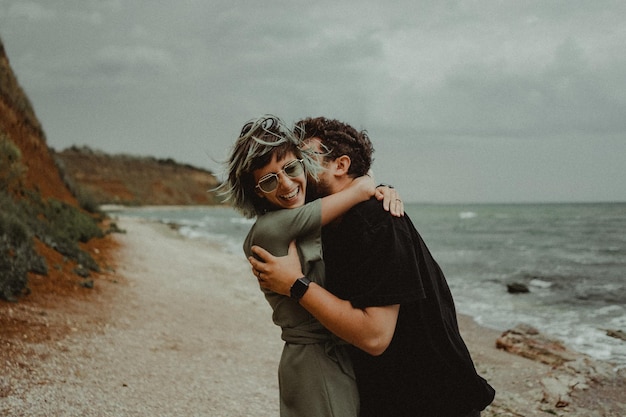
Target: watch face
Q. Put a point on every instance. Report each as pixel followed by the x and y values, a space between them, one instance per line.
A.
pixel 299 288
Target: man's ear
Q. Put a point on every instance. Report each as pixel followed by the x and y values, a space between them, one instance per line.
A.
pixel 342 165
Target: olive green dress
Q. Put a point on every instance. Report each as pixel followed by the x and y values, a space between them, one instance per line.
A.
pixel 315 374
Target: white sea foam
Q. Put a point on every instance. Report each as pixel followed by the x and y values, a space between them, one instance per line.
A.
pixel 539 283
pixel 467 215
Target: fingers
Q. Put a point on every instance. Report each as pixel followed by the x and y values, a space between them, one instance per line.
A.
pixel 380 197
pixel 390 200
pixel 385 193
pixel 292 247
pixel 256 264
pixel 261 253
pixel 394 203
pixel 397 207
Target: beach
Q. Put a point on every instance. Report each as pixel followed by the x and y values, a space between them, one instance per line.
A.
pixel 178 327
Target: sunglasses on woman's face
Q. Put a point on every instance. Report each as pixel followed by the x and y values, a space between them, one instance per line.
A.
pixel 269 182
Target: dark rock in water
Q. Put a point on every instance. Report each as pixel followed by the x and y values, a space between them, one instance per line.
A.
pixel 517 288
pixel 618 334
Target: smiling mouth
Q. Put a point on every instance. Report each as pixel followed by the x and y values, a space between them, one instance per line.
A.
pixel 291 195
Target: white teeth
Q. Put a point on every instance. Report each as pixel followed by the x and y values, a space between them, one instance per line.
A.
pixel 291 194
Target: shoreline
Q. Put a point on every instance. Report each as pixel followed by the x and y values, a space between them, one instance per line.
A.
pixel 477 277
pixel 180 327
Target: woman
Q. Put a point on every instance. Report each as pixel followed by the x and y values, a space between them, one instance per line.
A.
pixel 267 172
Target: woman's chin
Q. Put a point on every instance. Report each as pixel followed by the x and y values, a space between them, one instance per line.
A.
pixel 293 202
pixel 296 202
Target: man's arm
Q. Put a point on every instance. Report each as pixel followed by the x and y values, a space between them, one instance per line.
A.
pixel 370 329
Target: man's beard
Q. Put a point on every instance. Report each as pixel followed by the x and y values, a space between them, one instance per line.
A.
pixel 316 189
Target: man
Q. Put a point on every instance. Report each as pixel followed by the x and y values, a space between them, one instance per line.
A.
pixel 385 295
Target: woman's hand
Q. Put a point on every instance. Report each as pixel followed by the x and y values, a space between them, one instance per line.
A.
pixel 276 273
pixel 391 200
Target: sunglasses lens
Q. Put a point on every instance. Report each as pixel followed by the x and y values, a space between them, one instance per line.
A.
pixel 269 184
pixel 293 169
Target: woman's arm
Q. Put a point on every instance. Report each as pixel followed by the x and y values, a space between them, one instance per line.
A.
pixel 334 205
pixel 274 230
pixel 370 329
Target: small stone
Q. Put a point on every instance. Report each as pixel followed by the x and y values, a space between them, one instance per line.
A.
pixel 517 288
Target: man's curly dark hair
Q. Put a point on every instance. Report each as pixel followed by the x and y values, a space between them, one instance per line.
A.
pixel 340 139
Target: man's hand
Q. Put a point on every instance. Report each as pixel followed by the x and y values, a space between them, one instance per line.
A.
pixel 276 273
pixel 391 200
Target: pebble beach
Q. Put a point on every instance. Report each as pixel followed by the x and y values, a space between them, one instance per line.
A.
pixel 178 327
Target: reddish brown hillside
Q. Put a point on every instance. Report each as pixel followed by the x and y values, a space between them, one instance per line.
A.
pixel 18 121
pixel 123 179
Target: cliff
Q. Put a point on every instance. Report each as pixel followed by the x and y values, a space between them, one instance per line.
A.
pixel 132 180
pixel 43 231
pixel 53 238
pixel 19 125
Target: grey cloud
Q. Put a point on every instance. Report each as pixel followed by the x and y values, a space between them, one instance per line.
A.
pixel 31 11
pixel 447 89
pixel 136 61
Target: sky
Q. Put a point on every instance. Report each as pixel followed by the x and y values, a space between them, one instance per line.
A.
pixel 465 101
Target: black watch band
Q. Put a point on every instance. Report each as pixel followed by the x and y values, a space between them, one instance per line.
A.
pixel 299 288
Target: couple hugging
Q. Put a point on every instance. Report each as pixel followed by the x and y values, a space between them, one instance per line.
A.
pixel 367 317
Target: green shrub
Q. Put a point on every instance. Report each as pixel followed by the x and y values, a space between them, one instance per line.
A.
pixel 13 260
pixel 85 199
pixel 17 253
pixel 57 224
pixel 61 226
pixel 87 202
pixel 11 168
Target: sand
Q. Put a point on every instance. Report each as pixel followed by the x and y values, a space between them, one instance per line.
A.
pixel 179 327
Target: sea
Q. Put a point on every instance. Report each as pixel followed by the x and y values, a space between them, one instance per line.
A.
pixel 571 257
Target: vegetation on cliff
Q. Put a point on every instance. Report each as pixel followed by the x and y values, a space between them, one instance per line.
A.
pixel 36 209
pixel 26 216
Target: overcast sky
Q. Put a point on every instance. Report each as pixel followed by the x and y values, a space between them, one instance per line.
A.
pixel 465 101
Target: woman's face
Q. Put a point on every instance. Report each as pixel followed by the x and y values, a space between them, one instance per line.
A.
pixel 290 191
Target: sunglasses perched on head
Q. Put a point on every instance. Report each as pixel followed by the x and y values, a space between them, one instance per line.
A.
pixel 269 182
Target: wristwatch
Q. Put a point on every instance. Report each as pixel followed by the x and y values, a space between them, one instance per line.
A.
pixel 299 288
